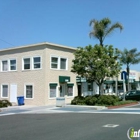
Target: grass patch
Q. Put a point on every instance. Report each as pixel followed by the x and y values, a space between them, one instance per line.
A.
pixel 124 102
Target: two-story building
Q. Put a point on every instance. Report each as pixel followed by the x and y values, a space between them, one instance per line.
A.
pixel 39 72
pixel 42 72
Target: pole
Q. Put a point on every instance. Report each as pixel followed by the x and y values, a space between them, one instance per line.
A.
pixel 116 86
pixel 124 86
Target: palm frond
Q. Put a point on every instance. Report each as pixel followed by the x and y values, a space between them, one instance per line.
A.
pixel 100 29
pixel 129 57
pixel 93 34
pixel 133 51
pixel 92 22
pixel 113 27
pixel 105 22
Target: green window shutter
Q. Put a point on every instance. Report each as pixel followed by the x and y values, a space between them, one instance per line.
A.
pixel 53 84
pixel 70 84
pixel 109 82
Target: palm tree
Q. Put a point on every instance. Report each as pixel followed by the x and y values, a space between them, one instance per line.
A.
pixel 103 28
pixel 129 57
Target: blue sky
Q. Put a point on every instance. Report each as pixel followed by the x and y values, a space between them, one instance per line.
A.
pixel 24 22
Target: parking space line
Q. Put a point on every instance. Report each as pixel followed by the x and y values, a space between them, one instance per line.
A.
pixel 111 125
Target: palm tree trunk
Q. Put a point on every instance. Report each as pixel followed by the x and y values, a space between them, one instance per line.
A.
pixel 127 69
pixel 101 42
pixel 116 86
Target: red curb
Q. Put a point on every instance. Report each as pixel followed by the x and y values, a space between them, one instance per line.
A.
pixel 119 106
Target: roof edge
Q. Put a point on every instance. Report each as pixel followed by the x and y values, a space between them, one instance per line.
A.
pixel 38 44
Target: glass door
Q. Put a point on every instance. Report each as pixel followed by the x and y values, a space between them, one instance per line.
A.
pixel 62 90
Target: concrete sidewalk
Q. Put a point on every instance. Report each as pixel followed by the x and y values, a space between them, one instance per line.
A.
pixel 89 107
pixel 15 108
pixel 25 107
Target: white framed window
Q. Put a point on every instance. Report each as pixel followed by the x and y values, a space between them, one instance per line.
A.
pixel 63 62
pixel 59 63
pixel 28 91
pixel 26 64
pixel 90 86
pixel 53 90
pixel 13 65
pixel 4 91
pixel 4 65
pixel 70 89
pixel 37 62
pixel 54 62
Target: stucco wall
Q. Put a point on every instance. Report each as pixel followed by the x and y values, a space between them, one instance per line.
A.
pixel 53 75
pixel 41 78
pixel 22 77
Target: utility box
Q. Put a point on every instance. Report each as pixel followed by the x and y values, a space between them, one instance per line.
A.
pixel 60 101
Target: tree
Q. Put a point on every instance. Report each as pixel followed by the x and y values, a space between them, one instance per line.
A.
pixel 129 57
pixel 103 28
pixel 96 63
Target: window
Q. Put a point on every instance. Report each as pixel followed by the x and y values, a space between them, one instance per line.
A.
pixel 53 90
pixel 13 65
pixel 70 89
pixel 58 63
pixel 36 62
pixel 54 62
pixel 29 91
pixel 62 63
pixel 4 65
pixel 26 63
pixel 90 86
pixel 4 91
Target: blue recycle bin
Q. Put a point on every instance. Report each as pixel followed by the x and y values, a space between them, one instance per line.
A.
pixel 20 100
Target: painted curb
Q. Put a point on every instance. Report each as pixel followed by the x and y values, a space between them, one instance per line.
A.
pixel 90 107
pixel 125 105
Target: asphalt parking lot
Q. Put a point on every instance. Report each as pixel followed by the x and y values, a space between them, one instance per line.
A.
pixel 67 126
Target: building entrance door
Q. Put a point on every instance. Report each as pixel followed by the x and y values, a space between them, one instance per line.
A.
pixel 13 93
pixel 79 89
pixel 62 90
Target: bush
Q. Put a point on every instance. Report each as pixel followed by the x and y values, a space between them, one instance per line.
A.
pixel 5 103
pixel 90 100
pixel 78 100
pixel 116 98
pixel 96 100
pixel 106 100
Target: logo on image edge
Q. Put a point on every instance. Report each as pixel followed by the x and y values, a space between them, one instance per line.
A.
pixel 131 133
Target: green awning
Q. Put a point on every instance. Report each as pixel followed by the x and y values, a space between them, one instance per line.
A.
pixel 109 82
pixel 70 84
pixel 63 79
pixel 137 82
pixel 120 82
pixel 53 84
pixel 80 79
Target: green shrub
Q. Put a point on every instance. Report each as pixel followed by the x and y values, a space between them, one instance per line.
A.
pixel 5 103
pixel 115 97
pixel 96 95
pixel 106 100
pixel 95 100
pixel 90 100
pixel 78 100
